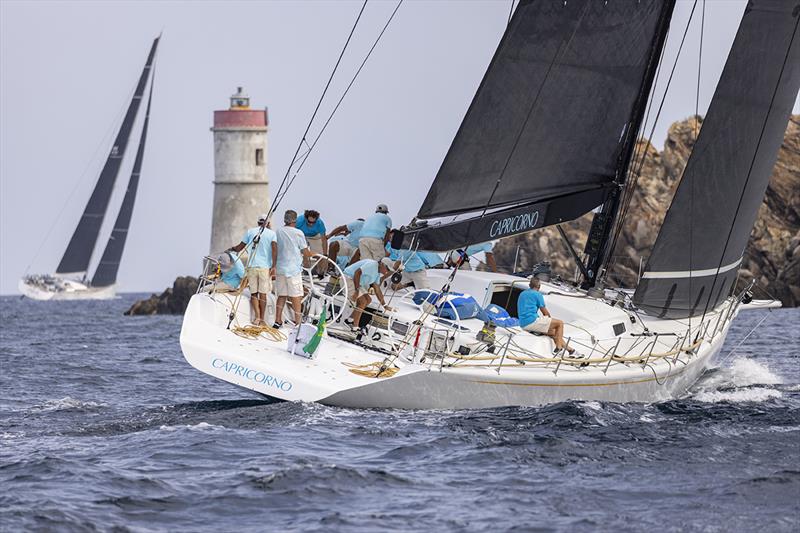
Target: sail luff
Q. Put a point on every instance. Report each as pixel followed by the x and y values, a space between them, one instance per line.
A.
pixel 107 269
pixel 79 251
pixel 694 263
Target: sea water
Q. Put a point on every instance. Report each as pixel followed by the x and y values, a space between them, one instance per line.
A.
pixel 103 425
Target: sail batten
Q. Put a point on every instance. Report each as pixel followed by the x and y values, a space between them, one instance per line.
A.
pixel 715 205
pixel 79 251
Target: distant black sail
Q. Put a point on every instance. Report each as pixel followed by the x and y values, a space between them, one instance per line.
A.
pixel 106 273
pixel 554 107
pixel 79 251
pixel 694 263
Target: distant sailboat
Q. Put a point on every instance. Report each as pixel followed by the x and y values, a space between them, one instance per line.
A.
pixel 70 281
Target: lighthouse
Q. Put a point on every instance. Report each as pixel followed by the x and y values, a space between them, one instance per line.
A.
pixel 241 186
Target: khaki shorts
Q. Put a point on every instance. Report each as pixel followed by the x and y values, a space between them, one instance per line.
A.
pixel 371 248
pixel 315 243
pixel 351 289
pixel 542 325
pixel 291 286
pixel 419 278
pixel 259 280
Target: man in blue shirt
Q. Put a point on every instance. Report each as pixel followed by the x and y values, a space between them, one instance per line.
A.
pixel 231 273
pixel 360 276
pixel 292 248
pixel 414 268
pixel 314 229
pixel 262 246
pixel 375 234
pixel 529 305
pixel 347 246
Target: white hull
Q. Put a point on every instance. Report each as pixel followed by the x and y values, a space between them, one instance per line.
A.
pixel 265 366
pixel 72 291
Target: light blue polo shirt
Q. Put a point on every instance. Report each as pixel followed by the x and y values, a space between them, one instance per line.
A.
pixel 376 225
pixel 411 260
pixel 355 228
pixel 262 257
pixel 291 243
pixel 528 305
pixel 233 277
pixel 318 228
pixel 473 249
pixel 431 259
pixel 369 272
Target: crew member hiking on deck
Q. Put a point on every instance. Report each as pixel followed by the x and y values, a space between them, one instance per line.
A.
pixel 530 302
pixel 375 234
pixel 260 269
pixel 347 246
pixel 314 229
pixel 360 276
pixel 292 248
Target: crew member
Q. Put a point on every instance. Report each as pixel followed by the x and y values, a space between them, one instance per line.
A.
pixel 314 229
pixel 347 246
pixel 413 268
pixel 529 307
pixel 472 249
pixel 375 234
pixel 260 269
pixel 292 248
pixel 360 276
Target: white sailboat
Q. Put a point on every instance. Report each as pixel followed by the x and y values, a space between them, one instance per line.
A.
pixel 70 281
pixel 549 136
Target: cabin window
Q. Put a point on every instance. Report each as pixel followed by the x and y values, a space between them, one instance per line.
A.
pixel 259 157
pixel 506 297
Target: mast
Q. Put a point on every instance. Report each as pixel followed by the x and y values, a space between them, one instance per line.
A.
pixel 106 273
pixel 81 246
pixel 604 220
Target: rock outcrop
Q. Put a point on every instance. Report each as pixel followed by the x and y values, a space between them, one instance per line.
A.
pixel 772 256
pixel 172 301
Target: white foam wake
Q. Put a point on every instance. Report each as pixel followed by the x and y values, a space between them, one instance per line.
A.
pixel 745 380
pixel 65 404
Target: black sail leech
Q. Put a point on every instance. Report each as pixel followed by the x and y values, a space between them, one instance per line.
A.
pixel 728 171
pixel 550 115
pixel 106 273
pixel 79 250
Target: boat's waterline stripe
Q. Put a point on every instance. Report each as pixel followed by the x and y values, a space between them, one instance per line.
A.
pixel 606 384
pixel 691 273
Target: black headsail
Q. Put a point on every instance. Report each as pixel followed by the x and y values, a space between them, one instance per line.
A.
pixel 543 138
pixel 106 273
pixel 79 251
pixel 695 260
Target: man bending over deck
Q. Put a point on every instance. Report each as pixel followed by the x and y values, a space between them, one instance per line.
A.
pixel 360 276
pixel 529 306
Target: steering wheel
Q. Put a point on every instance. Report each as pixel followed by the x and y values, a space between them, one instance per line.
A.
pixel 321 292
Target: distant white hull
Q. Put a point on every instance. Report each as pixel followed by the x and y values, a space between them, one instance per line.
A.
pixel 71 290
pixel 265 366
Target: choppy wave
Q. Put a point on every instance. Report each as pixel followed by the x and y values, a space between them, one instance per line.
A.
pixel 127 436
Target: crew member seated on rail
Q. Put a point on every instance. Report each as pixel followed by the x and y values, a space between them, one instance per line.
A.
pixel 347 246
pixel 232 272
pixel 360 276
pixel 535 318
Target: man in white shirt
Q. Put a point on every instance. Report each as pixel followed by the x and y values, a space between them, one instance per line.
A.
pixel 292 247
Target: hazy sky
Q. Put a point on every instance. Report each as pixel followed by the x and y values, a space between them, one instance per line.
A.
pixel 67 70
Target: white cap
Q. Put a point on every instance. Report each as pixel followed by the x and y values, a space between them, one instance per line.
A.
pixel 381 208
pixel 262 217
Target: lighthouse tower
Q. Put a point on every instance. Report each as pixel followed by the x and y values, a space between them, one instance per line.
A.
pixel 241 186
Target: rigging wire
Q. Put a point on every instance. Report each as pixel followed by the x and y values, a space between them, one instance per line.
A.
pixel 278 199
pixel 691 191
pixel 316 110
pixel 510 12
pixel 637 172
pixel 752 164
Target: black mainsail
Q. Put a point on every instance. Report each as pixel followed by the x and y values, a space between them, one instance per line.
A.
pixel 79 251
pixel 547 132
pixel 106 273
pixel 695 260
